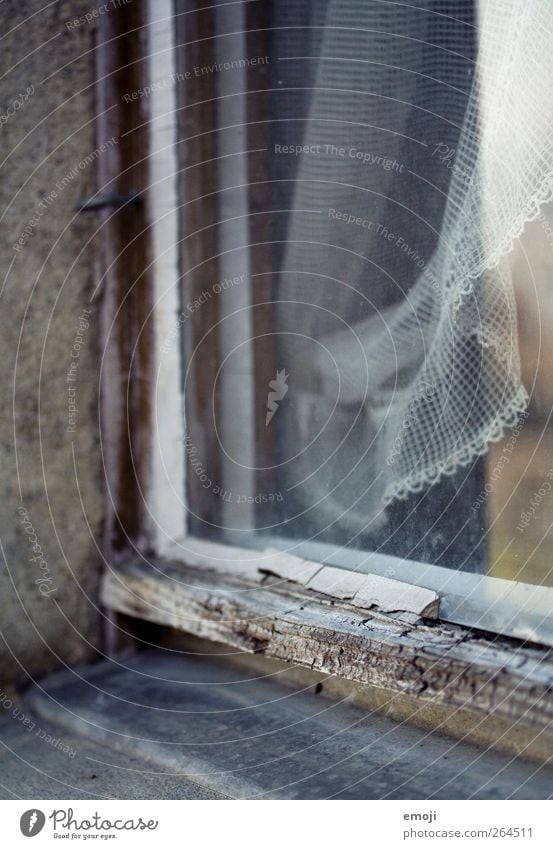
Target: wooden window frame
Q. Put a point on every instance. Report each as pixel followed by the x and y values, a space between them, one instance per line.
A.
pixel 367 628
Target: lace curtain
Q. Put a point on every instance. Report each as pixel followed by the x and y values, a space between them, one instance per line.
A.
pixel 428 145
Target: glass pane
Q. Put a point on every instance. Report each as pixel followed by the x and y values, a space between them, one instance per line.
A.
pixel 314 182
pixel 519 469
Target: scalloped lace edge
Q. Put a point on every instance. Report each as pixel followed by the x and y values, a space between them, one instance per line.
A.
pixel 477 447
pixel 510 414
pixel 530 212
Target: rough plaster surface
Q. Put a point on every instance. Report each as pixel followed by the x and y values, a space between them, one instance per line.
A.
pixel 45 287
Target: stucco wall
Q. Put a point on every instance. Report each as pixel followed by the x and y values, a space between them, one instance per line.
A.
pixel 48 604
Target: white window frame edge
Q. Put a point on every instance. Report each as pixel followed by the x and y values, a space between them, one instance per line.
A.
pixel 164 498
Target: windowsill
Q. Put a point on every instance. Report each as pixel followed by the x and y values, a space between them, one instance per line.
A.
pixel 468 675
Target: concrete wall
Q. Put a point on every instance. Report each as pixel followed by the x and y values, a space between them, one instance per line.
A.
pixel 48 609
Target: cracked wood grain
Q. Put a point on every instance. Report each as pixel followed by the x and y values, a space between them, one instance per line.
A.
pixel 294 623
pixel 360 589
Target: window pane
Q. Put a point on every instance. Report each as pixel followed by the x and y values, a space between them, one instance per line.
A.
pixel 519 469
pixel 314 181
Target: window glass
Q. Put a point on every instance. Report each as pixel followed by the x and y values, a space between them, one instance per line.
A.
pixel 315 180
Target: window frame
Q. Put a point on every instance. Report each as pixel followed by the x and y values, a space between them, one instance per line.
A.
pixel 282 604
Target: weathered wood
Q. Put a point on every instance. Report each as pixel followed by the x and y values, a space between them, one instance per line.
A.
pixel 360 589
pixel 127 326
pixel 374 590
pixel 285 620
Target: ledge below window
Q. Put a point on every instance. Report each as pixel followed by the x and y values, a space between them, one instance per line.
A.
pixel 435 664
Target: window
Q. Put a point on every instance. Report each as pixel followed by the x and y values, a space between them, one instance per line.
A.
pixel 308 248
pixel 335 320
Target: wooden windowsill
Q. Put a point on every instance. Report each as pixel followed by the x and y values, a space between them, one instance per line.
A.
pixel 255 610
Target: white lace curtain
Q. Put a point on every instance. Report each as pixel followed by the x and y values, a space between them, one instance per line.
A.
pixel 428 146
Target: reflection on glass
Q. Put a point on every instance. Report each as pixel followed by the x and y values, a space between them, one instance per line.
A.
pixel 519 469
